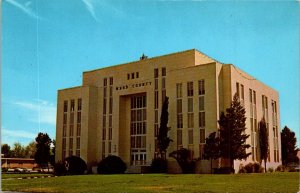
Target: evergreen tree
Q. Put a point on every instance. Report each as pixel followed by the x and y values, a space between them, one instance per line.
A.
pixel 42 154
pixel 264 141
pixel 232 128
pixel 288 146
pixel 162 138
pixel 211 148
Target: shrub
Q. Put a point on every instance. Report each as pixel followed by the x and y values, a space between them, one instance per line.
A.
pixel 183 158
pixel 224 170
pixel 242 169
pixel 252 168
pixel 111 165
pixel 159 165
pixel 4 169
pixel 257 168
pixel 59 168
pixel 75 165
pixel 270 170
pixel 280 168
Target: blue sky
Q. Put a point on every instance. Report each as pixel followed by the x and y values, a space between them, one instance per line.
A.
pixel 46 45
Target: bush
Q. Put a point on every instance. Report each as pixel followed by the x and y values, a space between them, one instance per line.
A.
pixel 59 168
pixel 183 158
pixel 280 168
pixel 159 165
pixel 111 165
pixel 4 169
pixel 242 169
pixel 75 165
pixel 270 170
pixel 224 170
pixel 252 168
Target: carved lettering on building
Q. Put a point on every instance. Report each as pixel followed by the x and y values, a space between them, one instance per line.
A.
pixel 136 85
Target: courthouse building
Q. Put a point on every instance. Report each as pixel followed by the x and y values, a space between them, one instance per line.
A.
pixel 117 109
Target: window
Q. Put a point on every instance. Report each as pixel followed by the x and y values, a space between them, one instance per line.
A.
pixel 71 143
pixel 64 130
pixel 201 103
pixel 238 89
pixel 103 134
pixel 65 119
pixel 128 76
pixel 202 135
pixel 190 91
pixel 156 100
pixel 79 104
pixel 79 117
pixel 72 105
pixel 190 136
pixel 64 143
pixel 132 75
pixel 163 71
pixel 190 120
pixel 242 92
pixel 65 106
pixel 71 130
pixel 179 105
pixel 156 73
pixel 179 121
pixel 137 74
pixel 201 119
pixel 179 90
pixel 201 87
pixel 110 105
pixel 78 143
pixel 156 84
pixel 163 83
pixel 105 82
pixel 78 129
pixel 179 137
pixel 190 105
pixel 111 81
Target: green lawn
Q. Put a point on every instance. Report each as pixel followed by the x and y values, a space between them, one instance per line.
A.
pixel 6 176
pixel 162 183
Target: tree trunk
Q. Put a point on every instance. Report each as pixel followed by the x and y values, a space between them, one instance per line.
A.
pixel 265 165
pixel 211 166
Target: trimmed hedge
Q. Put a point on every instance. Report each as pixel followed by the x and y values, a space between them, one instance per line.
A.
pixel 251 168
pixel 111 165
pixel 159 165
pixel 75 165
pixel 59 168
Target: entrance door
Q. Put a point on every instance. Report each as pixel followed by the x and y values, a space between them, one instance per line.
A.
pixel 138 131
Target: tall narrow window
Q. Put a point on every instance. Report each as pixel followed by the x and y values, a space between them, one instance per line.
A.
pixel 65 106
pixel 201 87
pixel 179 105
pixel 201 92
pixel 238 89
pixel 163 71
pixel 190 90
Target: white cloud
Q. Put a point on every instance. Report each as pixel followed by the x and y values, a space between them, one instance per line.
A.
pixel 17 133
pixel 90 7
pixel 25 8
pixel 41 111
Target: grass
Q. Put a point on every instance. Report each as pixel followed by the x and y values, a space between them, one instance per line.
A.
pixel 7 176
pixel 161 183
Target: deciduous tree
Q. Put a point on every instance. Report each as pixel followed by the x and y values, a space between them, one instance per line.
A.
pixel 42 154
pixel 5 149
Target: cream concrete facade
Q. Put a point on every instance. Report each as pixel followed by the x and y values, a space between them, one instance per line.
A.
pixel 121 105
